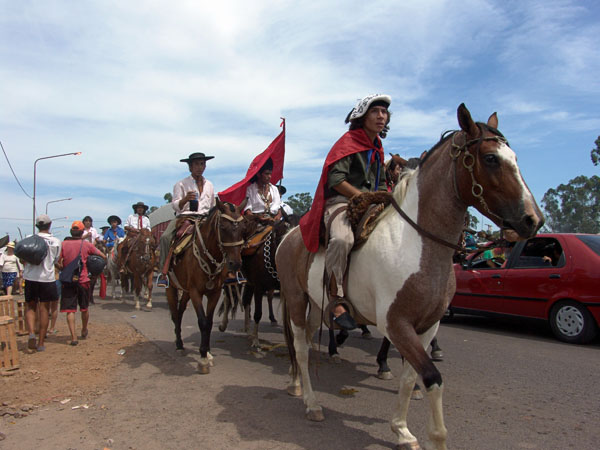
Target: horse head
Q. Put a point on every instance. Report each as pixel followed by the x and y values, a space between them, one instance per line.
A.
pixel 231 232
pixel 488 178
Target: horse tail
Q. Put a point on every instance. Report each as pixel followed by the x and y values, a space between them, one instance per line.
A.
pixel 289 335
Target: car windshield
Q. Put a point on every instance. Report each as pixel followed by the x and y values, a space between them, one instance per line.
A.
pixel 592 241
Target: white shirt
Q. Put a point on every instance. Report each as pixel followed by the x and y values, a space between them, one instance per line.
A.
pixel 10 263
pixel 133 222
pixel 93 235
pixel 287 208
pixel 206 200
pixel 256 203
pixel 44 272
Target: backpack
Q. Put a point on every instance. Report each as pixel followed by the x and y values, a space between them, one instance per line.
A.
pixel 72 271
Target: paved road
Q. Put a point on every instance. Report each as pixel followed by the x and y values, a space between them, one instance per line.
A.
pixel 507 386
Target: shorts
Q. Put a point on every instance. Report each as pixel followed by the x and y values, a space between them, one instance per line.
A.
pixel 40 291
pixel 74 294
pixel 8 278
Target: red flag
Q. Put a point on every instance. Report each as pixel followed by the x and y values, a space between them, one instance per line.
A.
pixel 276 151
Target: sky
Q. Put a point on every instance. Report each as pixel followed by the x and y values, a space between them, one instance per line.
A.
pixel 137 86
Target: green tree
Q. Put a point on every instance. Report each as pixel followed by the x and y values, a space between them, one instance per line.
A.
pixel 152 209
pixel 596 152
pixel 300 203
pixel 168 197
pixel 574 207
pixel 472 221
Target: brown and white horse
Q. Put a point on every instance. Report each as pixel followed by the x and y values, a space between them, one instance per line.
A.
pixel 201 270
pixel 140 263
pixel 402 278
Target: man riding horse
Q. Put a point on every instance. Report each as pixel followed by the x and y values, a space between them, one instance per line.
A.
pixel 354 165
pixel 194 195
pixel 135 222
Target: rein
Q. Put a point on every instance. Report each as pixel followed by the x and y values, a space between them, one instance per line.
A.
pixel 202 262
pixel 468 162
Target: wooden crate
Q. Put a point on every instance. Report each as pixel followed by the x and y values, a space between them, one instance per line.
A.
pixel 7 305
pixel 20 317
pixel 9 353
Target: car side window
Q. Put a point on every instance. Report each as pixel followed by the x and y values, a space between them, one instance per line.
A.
pixel 541 253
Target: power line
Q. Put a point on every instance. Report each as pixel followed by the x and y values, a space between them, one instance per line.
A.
pixel 13 172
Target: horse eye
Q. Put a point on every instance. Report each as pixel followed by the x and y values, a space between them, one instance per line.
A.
pixel 491 159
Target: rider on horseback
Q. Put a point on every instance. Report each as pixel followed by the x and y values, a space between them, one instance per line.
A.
pixel 354 165
pixel 135 222
pixel 263 197
pixel 114 232
pixel 194 195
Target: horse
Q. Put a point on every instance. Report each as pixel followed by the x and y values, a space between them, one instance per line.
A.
pixel 112 269
pixel 201 270
pixel 401 279
pixel 259 269
pixel 140 263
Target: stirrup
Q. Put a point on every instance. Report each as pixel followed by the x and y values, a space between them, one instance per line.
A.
pixel 239 279
pixel 162 281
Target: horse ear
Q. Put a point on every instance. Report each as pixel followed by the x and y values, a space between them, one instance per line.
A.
pixel 493 121
pixel 465 121
pixel 218 203
pixel 399 161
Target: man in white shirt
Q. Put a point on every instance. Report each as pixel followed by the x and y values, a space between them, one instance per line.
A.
pixel 262 197
pixel 134 223
pixel 40 285
pixel 194 195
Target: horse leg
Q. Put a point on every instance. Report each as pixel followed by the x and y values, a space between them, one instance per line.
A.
pixel 205 322
pixel 272 318
pixel 227 300
pixel 149 287
pixel 258 297
pixel 176 310
pixel 137 290
pixel 413 348
pixel 384 372
pixel 246 303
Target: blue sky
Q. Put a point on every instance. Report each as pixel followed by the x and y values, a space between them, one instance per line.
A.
pixel 136 86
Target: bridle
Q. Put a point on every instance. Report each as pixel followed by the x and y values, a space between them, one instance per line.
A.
pixel 468 162
pixel 202 254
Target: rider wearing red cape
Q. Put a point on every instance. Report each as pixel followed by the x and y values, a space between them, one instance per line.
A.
pixel 353 141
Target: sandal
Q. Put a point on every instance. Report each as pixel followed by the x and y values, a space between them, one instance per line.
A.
pixel 84 334
pixel 74 343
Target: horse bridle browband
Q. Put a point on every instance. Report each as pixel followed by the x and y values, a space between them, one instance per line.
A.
pixel 476 188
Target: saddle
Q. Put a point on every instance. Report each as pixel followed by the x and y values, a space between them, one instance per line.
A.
pixel 251 245
pixel 183 235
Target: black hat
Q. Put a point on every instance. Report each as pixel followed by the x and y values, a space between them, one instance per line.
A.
pixel 134 206
pixel 282 189
pixel 193 156
pixel 105 227
pixel 111 218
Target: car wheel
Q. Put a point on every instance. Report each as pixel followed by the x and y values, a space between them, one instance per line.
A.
pixel 571 322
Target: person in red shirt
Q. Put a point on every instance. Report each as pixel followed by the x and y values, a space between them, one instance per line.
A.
pixel 73 294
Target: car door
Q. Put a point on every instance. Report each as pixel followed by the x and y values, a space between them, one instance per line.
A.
pixel 532 281
pixel 479 286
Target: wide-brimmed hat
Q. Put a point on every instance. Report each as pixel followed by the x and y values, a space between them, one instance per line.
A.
pixel 363 105
pixel 11 244
pixel 111 218
pixel 198 155
pixel 136 205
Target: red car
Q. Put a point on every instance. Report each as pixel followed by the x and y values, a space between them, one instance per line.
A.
pixel 554 277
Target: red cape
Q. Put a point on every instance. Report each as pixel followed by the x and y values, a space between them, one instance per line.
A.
pixel 351 142
pixel 276 151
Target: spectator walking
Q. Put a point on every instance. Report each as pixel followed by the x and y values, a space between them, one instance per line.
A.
pixel 77 294
pixel 40 288
pixel 11 268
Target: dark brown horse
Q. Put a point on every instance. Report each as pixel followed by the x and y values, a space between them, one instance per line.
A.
pixel 201 270
pixel 261 274
pixel 402 279
pixel 140 263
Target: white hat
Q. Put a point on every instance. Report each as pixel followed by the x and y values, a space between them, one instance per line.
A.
pixel 363 105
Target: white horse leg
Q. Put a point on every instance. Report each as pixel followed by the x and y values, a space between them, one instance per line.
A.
pixel 295 387
pixel 313 322
pixel 254 337
pixel 398 424
pixel 313 410
pixel 149 291
pixel 435 427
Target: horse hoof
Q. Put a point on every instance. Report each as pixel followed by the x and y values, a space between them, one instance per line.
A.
pixel 315 415
pixel 417 394
pixel 336 359
pixel 203 369
pixel 409 446
pixel 385 375
pixel 149 305
pixel 437 355
pixel 295 390
pixel 137 307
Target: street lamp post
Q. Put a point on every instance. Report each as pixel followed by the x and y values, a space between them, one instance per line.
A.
pixel 34 173
pixel 56 201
